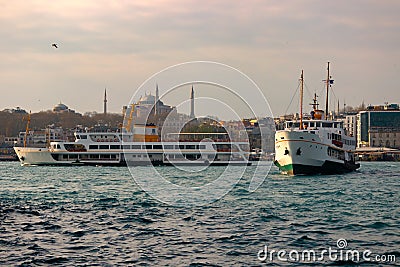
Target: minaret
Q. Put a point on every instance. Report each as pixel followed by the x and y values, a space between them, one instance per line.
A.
pixel 105 101
pixel 156 101
pixel 192 104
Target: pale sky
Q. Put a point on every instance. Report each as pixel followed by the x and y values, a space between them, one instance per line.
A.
pixel 120 44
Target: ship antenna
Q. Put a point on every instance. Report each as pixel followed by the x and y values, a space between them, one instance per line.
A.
pixel 315 102
pixel 301 100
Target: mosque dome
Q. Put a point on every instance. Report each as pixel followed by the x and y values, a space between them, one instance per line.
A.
pixel 147 100
pixel 60 107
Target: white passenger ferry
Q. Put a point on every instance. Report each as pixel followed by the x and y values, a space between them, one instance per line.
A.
pixel 314 146
pixel 115 148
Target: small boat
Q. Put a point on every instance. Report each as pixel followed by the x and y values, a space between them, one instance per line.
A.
pixel 316 145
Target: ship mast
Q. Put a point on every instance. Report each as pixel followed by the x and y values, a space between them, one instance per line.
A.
pixel 328 83
pixel 27 128
pixel 301 100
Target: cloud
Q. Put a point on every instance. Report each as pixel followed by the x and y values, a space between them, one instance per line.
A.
pixel 121 43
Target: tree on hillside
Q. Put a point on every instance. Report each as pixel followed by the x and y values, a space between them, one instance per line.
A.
pixel 13 123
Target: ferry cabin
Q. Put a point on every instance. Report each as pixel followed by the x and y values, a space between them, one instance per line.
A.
pixel 107 148
pixel 329 132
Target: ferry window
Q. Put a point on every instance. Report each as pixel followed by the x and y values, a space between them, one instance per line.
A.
pixel 114 147
pixel 181 147
pixel 113 156
pixel 136 147
pixel 78 137
pixel 190 147
pixel 329 136
pixel 202 146
pixel 93 147
pixel 58 146
pixel 149 147
pixel 133 156
pixel 153 131
pixel 168 147
pixel 311 124
pixel 327 124
pixel 157 146
pixel 83 136
pixel 143 146
pixel 104 147
pixel 126 147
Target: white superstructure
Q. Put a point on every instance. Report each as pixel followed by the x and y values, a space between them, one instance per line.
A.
pixel 98 148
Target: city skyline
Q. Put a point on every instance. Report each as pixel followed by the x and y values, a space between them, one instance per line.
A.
pixel 119 45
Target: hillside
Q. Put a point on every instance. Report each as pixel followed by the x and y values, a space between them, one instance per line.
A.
pixel 13 123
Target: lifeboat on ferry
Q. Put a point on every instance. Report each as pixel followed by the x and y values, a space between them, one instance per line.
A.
pixel 318 114
pixel 337 143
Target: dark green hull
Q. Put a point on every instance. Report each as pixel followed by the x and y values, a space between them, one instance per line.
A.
pixel 329 167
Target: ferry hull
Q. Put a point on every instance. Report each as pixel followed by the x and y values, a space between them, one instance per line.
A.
pixel 328 167
pixel 43 156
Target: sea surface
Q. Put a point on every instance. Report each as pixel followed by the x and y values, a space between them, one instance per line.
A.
pixel 99 216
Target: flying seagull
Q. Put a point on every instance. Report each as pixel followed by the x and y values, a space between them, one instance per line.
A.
pixel 55 45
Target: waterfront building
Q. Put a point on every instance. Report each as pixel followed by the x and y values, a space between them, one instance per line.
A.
pixel 378 128
pixel 41 137
pixel 350 124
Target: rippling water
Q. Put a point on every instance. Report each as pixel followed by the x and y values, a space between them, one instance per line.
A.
pixel 98 216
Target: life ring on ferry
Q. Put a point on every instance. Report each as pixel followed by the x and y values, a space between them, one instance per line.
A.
pixel 115 140
pixel 98 140
pixel 102 140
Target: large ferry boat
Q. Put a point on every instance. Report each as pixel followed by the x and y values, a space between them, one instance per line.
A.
pixel 139 148
pixel 316 145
